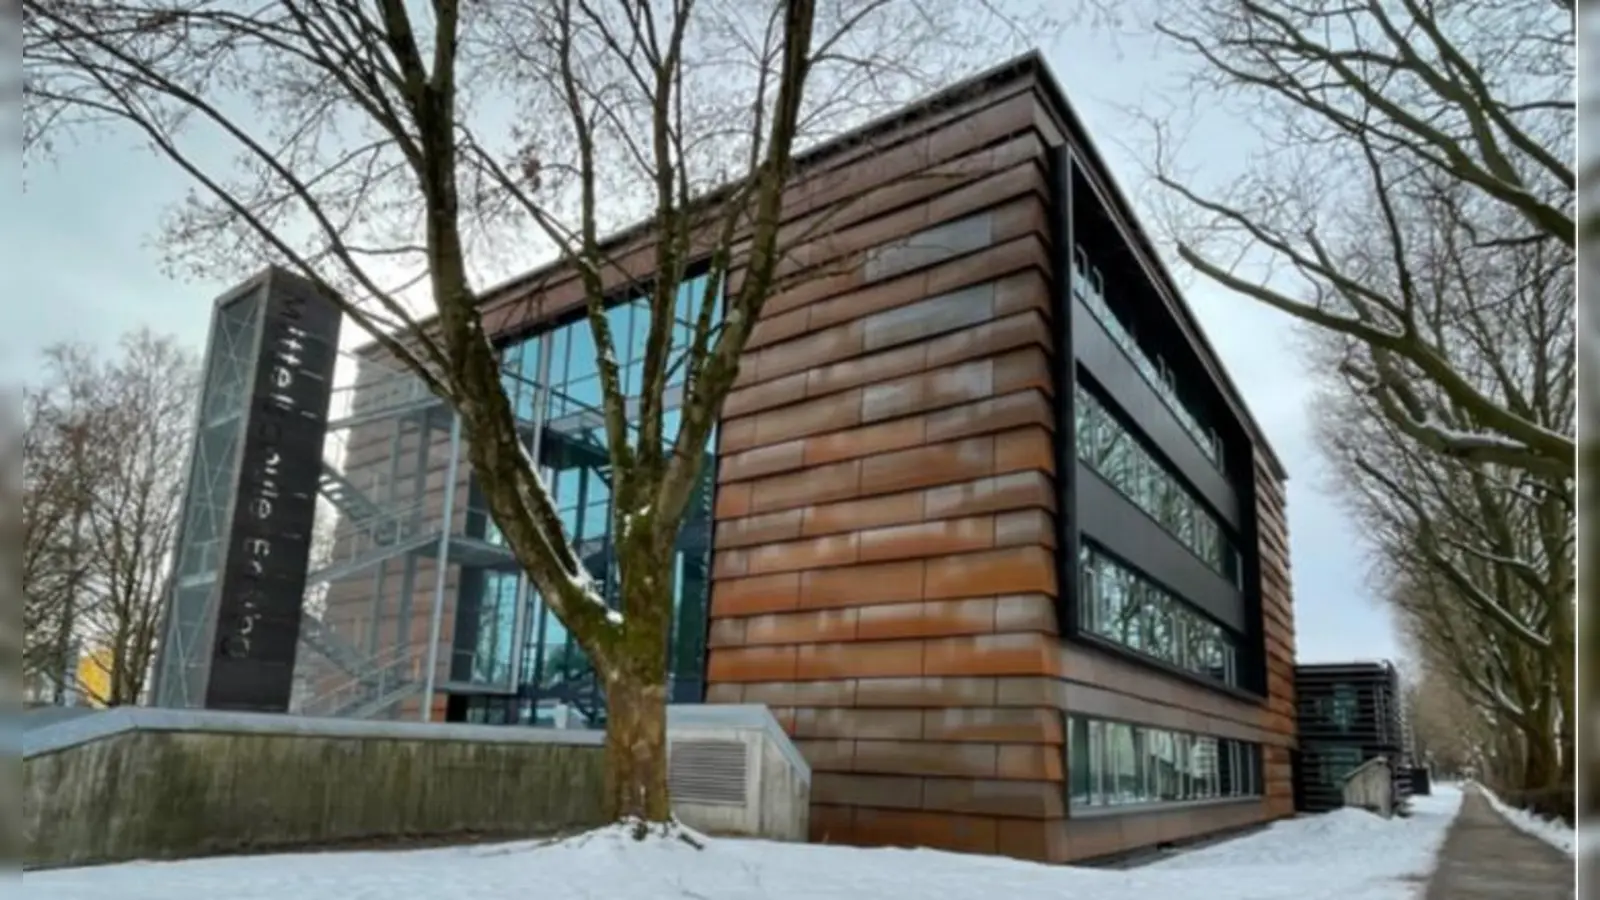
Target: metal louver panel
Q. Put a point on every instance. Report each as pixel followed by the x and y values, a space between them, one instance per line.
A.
pixel 707 771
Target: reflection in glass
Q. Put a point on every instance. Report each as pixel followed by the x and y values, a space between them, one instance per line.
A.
pixel 555 682
pixel 1112 452
pixel 1122 606
pixel 1089 287
pixel 1119 764
pixel 1079 768
pixel 1343 707
pixel 1337 762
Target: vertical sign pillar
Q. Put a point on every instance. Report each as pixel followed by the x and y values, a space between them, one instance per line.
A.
pixel 244 538
pixel 264 571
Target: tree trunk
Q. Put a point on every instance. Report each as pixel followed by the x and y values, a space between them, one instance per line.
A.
pixel 1563 649
pixel 1510 760
pixel 636 751
pixel 636 693
pixel 1540 788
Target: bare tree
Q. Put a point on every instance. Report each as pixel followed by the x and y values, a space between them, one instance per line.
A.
pixel 13 608
pixel 1479 566
pixel 1484 622
pixel 1412 203
pixel 1589 397
pixel 1477 556
pixel 40 534
pixel 1512 716
pixel 148 395
pixel 1355 104
pixel 371 153
pixel 105 441
pixel 58 459
pixel 1451 734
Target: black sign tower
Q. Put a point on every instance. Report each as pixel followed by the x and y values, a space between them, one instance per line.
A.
pixel 249 505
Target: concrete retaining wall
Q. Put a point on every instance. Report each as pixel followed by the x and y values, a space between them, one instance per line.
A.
pixel 161 785
pixel 164 784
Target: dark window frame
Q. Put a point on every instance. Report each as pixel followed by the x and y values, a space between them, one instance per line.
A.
pixel 1233 640
pixel 1244 782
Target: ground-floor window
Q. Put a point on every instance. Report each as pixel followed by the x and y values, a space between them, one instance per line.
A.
pixel 1117 764
pixel 554 684
pixel 1336 762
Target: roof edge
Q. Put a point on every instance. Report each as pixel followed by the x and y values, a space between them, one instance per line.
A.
pixel 1030 64
pixel 922 107
pixel 1078 133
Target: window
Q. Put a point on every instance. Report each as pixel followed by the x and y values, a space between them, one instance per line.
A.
pixel 497 612
pixel 1122 606
pixel 1119 764
pixel 553 381
pixel 1113 453
pixel 1344 706
pixel 1335 763
pixel 1122 765
pixel 1089 287
pixel 1079 776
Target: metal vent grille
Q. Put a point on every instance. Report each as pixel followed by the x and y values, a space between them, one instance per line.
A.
pixel 707 772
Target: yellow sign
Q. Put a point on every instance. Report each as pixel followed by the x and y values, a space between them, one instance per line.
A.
pixel 94 677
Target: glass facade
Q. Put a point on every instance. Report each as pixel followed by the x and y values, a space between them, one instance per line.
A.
pixel 1337 710
pixel 1115 766
pixel 1089 287
pixel 1335 762
pixel 553 382
pixel 1123 606
pixel 1112 451
pixel 1118 764
pixel 1343 707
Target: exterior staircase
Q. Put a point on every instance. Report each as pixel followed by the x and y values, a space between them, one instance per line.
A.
pixel 319 639
pixel 374 526
pixel 350 500
pixel 370 529
pixel 379 683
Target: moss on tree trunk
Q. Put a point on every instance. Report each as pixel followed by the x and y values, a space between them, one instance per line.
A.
pixel 636 690
pixel 636 751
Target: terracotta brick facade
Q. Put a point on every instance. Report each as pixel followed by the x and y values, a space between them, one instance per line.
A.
pixel 887 574
pixel 894 548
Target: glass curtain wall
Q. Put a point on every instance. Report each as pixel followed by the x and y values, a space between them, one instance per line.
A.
pixel 1089 286
pixel 553 682
pixel 1118 764
pixel 1122 606
pixel 1112 451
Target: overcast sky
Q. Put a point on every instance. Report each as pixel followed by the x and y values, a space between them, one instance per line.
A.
pixel 82 267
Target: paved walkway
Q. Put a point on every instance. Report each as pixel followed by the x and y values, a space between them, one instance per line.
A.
pixel 1485 858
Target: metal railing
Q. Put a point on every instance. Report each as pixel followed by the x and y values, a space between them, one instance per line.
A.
pixel 326 643
pixel 382 675
pixel 1088 286
pixel 489 670
pixel 359 541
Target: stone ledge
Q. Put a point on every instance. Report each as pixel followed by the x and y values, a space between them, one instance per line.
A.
pixel 75 731
pixel 70 733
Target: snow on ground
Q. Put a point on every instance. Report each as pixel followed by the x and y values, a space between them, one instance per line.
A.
pixel 1554 832
pixel 1345 855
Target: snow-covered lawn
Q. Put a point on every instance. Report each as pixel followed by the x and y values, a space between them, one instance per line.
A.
pixel 1346 855
pixel 1554 832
